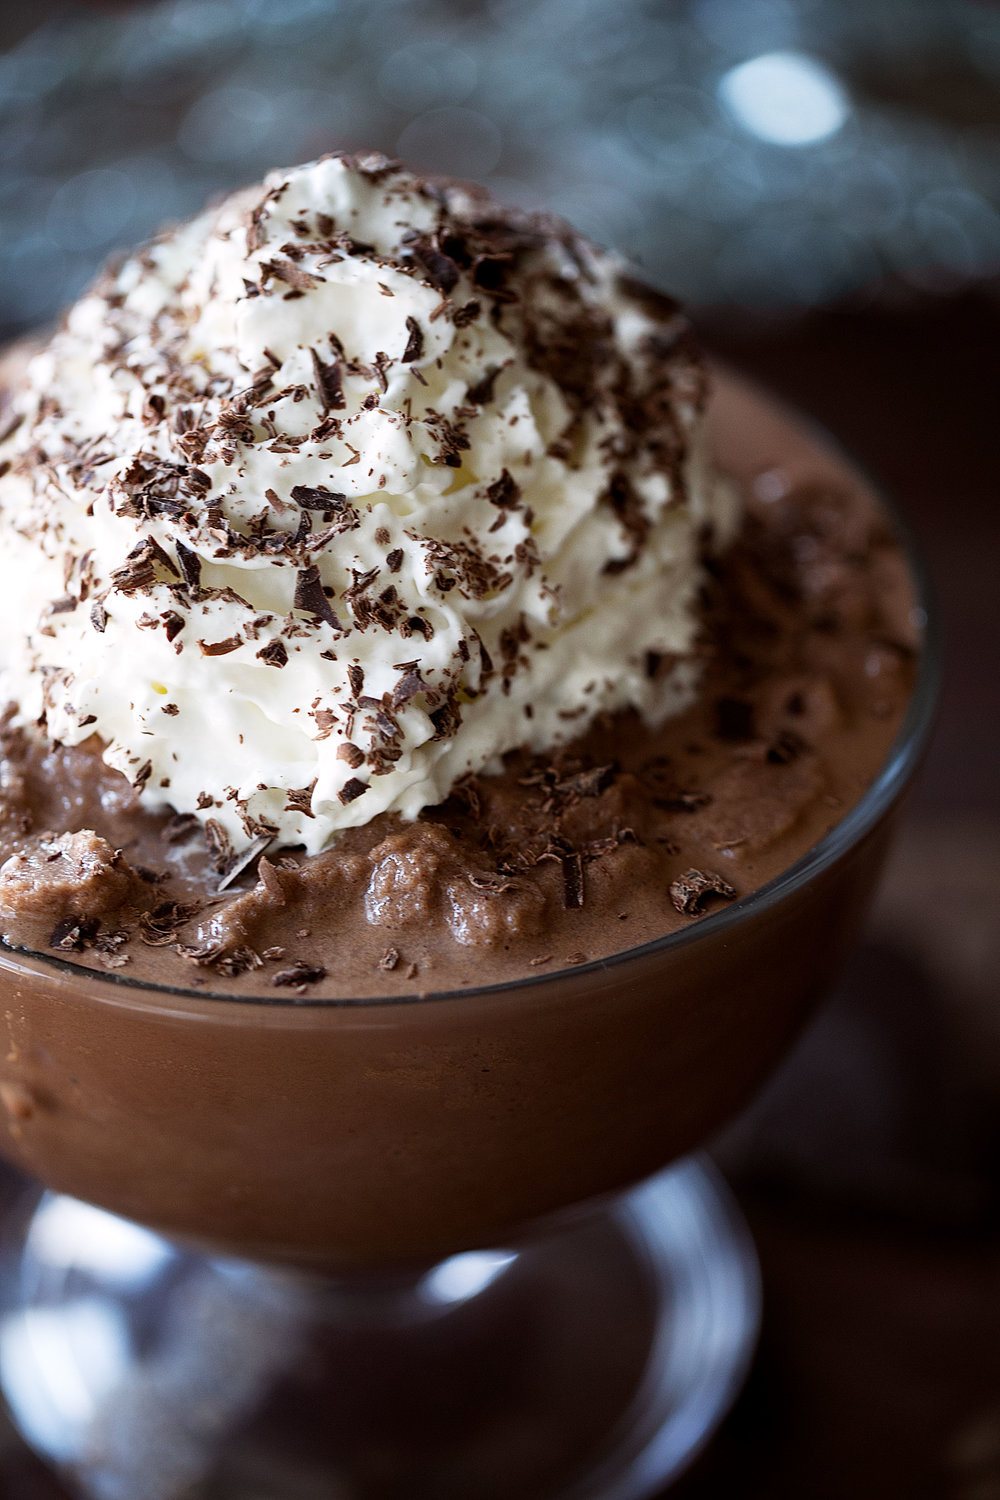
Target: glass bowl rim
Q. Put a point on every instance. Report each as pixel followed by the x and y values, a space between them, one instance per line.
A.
pixel 900 763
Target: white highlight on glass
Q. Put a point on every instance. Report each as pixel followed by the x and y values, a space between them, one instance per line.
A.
pixel 68 1234
pixel 463 1276
pixel 57 1365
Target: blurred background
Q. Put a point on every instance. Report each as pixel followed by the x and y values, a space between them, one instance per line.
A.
pixel 766 153
pixel 820 181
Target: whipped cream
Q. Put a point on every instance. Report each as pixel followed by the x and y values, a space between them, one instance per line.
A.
pixel 345 489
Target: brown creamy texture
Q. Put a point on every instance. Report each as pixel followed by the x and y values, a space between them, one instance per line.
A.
pixel 619 838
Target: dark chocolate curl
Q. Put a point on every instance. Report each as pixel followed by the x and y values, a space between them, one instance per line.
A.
pixel 310 598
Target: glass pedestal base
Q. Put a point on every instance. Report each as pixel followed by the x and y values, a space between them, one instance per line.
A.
pixel 589 1363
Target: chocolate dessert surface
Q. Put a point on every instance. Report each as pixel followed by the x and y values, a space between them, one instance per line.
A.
pixel 809 642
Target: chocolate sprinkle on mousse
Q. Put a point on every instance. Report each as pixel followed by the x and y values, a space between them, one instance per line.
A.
pixel 299 974
pixel 74 933
pixel 241 862
pixel 572 869
pixel 691 892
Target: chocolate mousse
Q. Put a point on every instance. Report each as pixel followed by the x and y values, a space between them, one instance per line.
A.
pixel 344 670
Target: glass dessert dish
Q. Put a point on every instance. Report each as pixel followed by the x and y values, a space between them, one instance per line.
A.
pixel 396 1246
pixel 371 526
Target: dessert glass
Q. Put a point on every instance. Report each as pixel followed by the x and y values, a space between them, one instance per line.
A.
pixel 395 1247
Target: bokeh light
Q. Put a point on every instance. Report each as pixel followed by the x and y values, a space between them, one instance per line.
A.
pixel 765 152
pixel 784 97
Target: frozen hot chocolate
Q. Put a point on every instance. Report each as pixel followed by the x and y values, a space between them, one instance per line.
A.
pixel 373 620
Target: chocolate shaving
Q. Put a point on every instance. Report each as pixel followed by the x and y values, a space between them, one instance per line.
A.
pixel 407 687
pixel 627 506
pixel 329 502
pixel 691 891
pixel 394 559
pixel 329 383
pixel 234 867
pixel 447 719
pixel 504 492
pixel 414 344
pixel 467 313
pixel 587 783
pixel 275 654
pixel 228 961
pixel 439 269
pixel 74 933
pixel 220 848
pixel 352 790
pixel 138 571
pixel 190 565
pixel 300 799
pixel 98 617
pixel 482 392
pixel 291 274
pixel 255 232
pixel 159 927
pixel 494 884
pixel 310 598
pixel 143 774
pixel 300 973
pixel 221 648
pixel 325 721
pixel 572 870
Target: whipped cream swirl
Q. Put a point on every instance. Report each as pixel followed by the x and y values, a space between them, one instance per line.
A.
pixel 344 490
